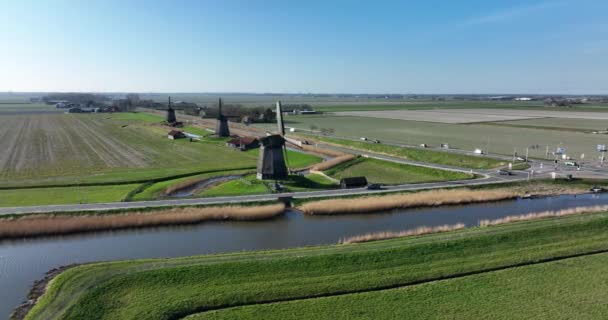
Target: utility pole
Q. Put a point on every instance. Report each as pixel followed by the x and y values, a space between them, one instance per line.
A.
pixel 527 153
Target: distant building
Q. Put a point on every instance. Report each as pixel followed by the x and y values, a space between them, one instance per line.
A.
pixel 523 99
pixel 243 143
pixel 353 182
pixel 175 134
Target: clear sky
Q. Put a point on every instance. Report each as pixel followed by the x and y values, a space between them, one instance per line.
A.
pixel 325 46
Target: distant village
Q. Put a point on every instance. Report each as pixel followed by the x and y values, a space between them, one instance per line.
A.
pixel 99 103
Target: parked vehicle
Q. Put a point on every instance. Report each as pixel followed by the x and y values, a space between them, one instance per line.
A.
pixel 597 189
pixel 571 163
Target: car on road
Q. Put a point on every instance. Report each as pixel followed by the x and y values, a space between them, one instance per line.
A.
pixel 504 172
pixel 374 186
pixel 571 163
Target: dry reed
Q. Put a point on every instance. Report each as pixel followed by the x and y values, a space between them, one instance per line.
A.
pixel 419 199
pixel 39 225
pixel 332 163
pixel 543 214
pixel 182 185
pixel 400 234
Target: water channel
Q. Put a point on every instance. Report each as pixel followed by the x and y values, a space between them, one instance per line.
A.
pixel 24 261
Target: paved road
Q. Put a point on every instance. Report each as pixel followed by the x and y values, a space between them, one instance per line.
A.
pixel 251 198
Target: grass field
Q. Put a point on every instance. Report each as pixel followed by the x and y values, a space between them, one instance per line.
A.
pixel 490 137
pixel 101 148
pixel 569 289
pixel 174 288
pixel 384 172
pixel 422 155
pixel 64 195
pixel 251 185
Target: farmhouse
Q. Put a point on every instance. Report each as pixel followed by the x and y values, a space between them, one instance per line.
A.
pixel 243 143
pixel 175 134
pixel 353 182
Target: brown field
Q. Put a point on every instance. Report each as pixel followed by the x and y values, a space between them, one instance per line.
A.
pixel 472 115
pixel 402 201
pixel 73 148
pixel 39 225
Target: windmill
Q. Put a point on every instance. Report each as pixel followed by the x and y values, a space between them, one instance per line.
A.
pixel 170 116
pixel 221 128
pixel 271 162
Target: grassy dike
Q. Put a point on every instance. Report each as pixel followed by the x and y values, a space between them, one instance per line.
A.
pixel 174 288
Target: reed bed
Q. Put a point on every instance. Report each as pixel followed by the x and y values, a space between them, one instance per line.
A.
pixel 543 214
pixel 400 234
pixel 182 185
pixel 332 163
pixel 41 225
pixel 403 201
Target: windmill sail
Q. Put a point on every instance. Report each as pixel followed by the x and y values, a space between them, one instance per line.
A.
pixel 280 123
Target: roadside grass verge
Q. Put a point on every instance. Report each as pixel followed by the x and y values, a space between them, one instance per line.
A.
pixel 244 186
pixel 422 155
pixel 64 195
pixel 386 172
pixel 566 289
pixel 174 288
pixel 45 225
pixel 162 188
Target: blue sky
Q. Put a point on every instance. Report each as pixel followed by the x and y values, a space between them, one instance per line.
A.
pixel 465 46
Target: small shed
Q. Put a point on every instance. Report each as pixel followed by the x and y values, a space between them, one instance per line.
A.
pixel 175 134
pixel 353 182
pixel 243 143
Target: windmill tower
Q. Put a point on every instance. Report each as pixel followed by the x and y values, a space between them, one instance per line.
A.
pixel 271 162
pixel 170 118
pixel 221 128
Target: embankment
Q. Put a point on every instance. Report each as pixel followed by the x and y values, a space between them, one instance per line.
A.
pixel 403 201
pixel 44 225
pixel 332 163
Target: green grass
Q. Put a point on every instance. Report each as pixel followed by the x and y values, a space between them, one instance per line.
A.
pixel 385 172
pixel 251 185
pixel 295 159
pixel 173 288
pixel 429 156
pixel 246 185
pixel 155 190
pixel 568 289
pixel 64 195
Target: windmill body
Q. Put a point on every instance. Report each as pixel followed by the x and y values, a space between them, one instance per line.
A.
pixel 271 162
pixel 221 128
pixel 170 116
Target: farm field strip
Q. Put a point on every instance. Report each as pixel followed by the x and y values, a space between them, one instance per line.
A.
pixel 472 115
pixel 491 138
pixel 74 149
pixel 531 292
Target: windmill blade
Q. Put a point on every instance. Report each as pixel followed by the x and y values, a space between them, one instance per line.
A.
pixel 280 119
